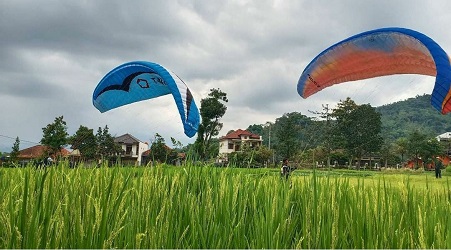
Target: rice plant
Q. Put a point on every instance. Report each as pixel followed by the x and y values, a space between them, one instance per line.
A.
pixel 206 207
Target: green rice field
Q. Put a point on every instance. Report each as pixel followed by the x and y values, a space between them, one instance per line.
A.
pixel 208 207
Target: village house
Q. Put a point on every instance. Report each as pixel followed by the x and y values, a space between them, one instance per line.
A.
pixel 445 140
pixel 39 152
pixel 235 140
pixel 132 149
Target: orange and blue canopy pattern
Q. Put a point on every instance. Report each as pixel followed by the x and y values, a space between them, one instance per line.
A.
pixel 380 52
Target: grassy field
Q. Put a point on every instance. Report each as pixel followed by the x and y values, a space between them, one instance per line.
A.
pixel 207 207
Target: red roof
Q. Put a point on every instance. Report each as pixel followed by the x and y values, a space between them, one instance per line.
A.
pixel 38 151
pixel 238 133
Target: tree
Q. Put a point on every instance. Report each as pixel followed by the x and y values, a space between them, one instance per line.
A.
pixel 85 141
pixel 55 135
pixel 326 128
pixel 432 148
pixel 161 152
pixel 388 153
pixel 400 147
pixel 293 133
pixel 420 146
pixel 257 129
pixel 250 156
pixel 15 150
pixel 358 128
pixel 176 144
pixel 106 147
pixel 212 109
pixel 416 140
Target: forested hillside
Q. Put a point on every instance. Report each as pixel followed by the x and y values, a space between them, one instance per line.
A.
pixel 401 118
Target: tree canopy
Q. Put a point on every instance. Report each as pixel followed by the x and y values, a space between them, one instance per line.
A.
pixel 212 109
pixel 55 135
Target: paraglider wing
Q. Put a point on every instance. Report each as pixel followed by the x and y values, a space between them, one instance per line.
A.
pixel 137 81
pixel 380 52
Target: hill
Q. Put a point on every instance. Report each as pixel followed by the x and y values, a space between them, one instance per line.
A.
pixel 401 118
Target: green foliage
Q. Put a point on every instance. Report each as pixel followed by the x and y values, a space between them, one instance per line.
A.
pixel 55 135
pixel 448 170
pixel 212 109
pixel 160 152
pixel 257 129
pixel 15 150
pixel 357 129
pixel 400 147
pixel 250 157
pixel 106 147
pixel 401 118
pixel 420 146
pixel 294 132
pixel 85 141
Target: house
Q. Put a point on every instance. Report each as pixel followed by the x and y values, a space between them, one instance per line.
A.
pixel 445 140
pixel 235 140
pixel 132 149
pixel 39 152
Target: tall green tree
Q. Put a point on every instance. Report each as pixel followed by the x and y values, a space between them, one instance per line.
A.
pixel 421 146
pixel 324 131
pixel 357 129
pixel 415 146
pixel 212 109
pixel 293 133
pixel 401 147
pixel 160 152
pixel 265 131
pixel 55 135
pixel 15 150
pixel 106 147
pixel 85 141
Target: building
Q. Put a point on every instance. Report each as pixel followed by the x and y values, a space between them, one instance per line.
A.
pixel 445 140
pixel 39 152
pixel 132 149
pixel 234 141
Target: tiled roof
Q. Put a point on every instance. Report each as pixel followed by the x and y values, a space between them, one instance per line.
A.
pixel 38 151
pixel 126 139
pixel 238 133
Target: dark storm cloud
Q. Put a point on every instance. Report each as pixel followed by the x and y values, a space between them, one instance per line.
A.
pixel 53 54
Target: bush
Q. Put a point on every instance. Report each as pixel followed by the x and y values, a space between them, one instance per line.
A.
pixel 447 170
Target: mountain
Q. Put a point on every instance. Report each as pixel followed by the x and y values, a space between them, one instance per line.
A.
pixel 401 118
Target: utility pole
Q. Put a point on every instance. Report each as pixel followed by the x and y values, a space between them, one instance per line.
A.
pixel 269 124
pixel 269 139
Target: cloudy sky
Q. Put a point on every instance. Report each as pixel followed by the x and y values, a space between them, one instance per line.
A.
pixel 54 53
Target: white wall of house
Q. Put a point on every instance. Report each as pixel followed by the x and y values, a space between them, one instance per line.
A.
pixel 228 146
pixel 142 147
pixel 135 150
pixel 224 146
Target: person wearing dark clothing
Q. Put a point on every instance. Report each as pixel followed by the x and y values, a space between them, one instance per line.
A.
pixel 285 169
pixel 438 167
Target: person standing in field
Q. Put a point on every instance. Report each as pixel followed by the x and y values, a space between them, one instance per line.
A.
pixel 438 167
pixel 285 169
